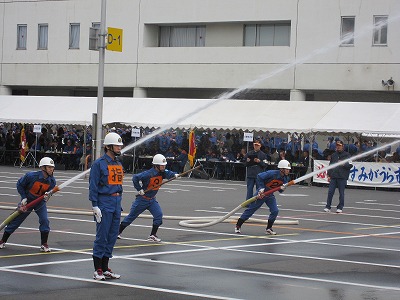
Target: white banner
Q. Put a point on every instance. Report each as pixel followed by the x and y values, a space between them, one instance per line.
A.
pixel 365 174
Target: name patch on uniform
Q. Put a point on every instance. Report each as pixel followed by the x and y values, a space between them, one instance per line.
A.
pixel 39 188
pixel 115 174
pixel 154 181
pixel 274 183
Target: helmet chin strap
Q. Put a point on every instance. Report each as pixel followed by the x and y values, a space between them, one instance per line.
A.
pixel 45 170
pixel 111 148
pixel 158 168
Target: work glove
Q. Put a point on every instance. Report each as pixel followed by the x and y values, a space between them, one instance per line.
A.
pixel 177 176
pixel 260 194
pixel 283 187
pixel 24 202
pixel 22 207
pixel 97 213
pixel 141 192
pixel 47 196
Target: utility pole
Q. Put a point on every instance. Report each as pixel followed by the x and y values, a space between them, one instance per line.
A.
pixel 100 88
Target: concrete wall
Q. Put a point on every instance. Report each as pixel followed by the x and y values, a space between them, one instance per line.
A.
pixel 60 65
pixel 314 62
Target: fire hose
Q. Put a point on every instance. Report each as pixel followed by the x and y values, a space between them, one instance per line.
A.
pixel 205 222
pixel 198 222
pixel 29 205
pixel 19 210
pixel 169 180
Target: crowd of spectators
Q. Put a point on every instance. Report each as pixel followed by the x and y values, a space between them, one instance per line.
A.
pixel 228 146
pixel 174 144
pixel 66 142
pixel 354 148
pixel 210 144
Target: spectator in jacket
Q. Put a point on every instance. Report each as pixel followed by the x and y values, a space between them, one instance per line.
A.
pixel 255 164
pixel 338 176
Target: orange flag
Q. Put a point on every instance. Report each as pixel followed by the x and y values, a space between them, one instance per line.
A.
pixel 24 146
pixel 192 148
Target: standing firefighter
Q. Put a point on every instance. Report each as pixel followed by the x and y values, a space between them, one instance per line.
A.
pixel 265 181
pixel 147 183
pixel 31 186
pixel 105 193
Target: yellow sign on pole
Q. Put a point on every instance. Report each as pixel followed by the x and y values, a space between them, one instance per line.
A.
pixel 114 39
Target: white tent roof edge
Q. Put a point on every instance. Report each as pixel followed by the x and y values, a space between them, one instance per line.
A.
pixel 216 114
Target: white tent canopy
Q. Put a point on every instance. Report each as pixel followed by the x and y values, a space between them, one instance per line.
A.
pixel 372 118
pixel 47 110
pixel 226 114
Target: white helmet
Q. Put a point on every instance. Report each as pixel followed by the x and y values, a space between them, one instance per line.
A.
pixel 46 161
pixel 113 138
pixel 159 159
pixel 284 164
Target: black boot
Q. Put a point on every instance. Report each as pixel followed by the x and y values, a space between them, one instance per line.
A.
pixel 154 230
pixel 239 223
pixel 270 223
pixel 97 261
pixel 108 274
pixel 269 229
pixel 121 228
pixel 44 236
pixel 5 237
pixel 104 263
pixel 98 272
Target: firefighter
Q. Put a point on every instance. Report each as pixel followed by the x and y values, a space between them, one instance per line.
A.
pixel 105 193
pixel 31 186
pixel 267 180
pixel 146 198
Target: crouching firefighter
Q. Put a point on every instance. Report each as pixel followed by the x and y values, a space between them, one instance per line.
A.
pixel 265 181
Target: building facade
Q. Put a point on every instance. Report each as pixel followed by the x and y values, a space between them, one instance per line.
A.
pixel 340 50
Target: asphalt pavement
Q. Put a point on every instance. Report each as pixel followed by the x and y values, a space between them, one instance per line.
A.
pixel 353 255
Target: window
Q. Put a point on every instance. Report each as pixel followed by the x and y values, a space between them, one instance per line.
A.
pixel 276 34
pixel 347 31
pixel 380 30
pixel 74 34
pixel 22 30
pixel 182 36
pixel 94 40
pixel 43 36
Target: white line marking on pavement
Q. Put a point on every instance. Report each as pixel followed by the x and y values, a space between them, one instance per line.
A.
pixel 315 258
pixel 377 203
pixel 368 216
pixel 9 195
pixel 355 246
pixel 307 219
pixel 269 274
pixel 230 248
pixel 113 283
pixel 293 195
